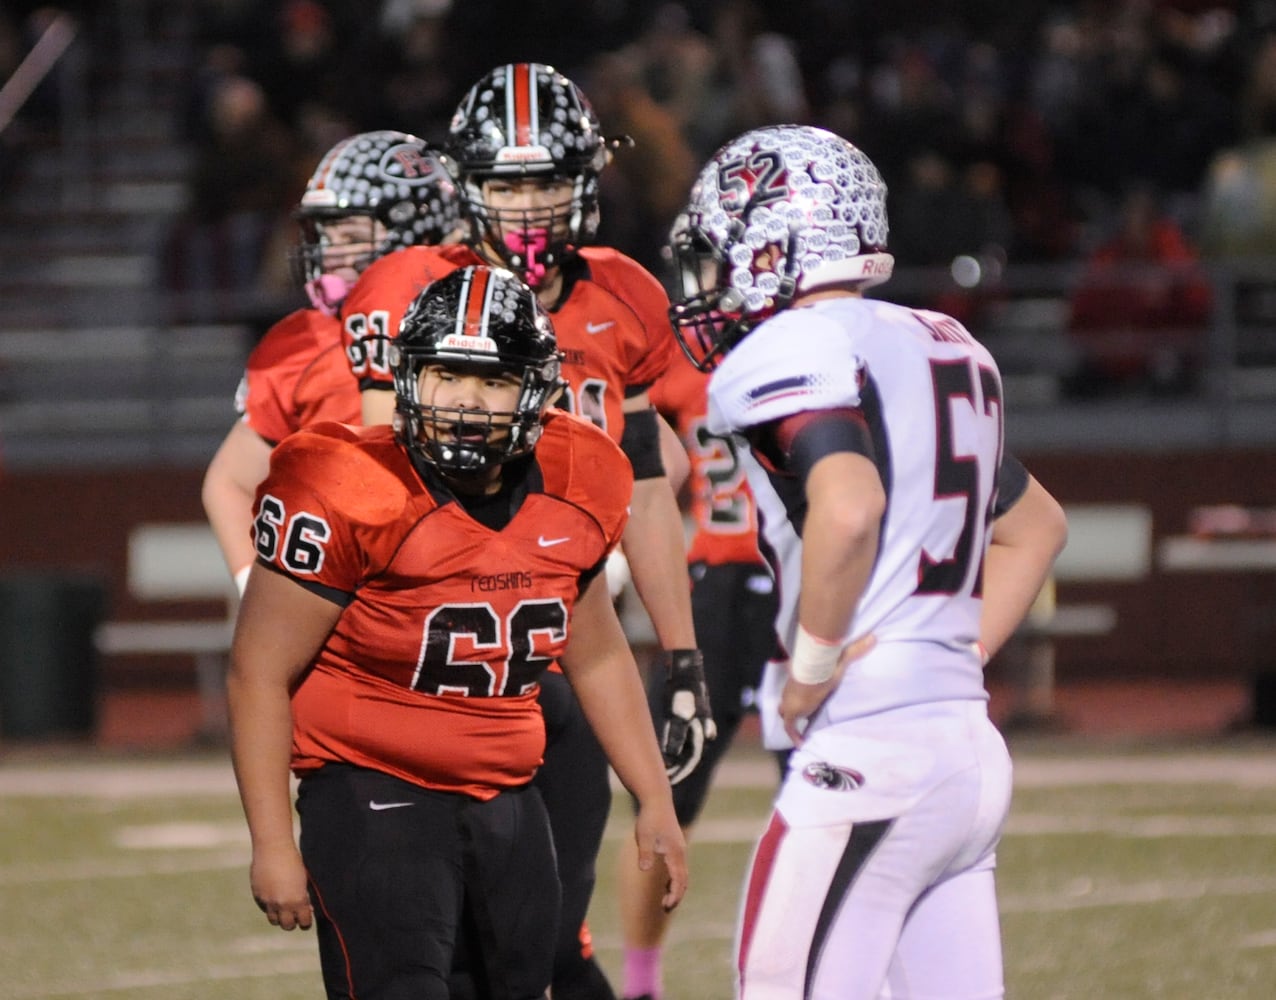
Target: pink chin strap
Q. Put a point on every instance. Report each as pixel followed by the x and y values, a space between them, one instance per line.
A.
pixel 530 244
pixel 327 292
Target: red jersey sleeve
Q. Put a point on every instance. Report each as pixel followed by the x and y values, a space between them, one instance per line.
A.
pixel 321 507
pixel 375 306
pixel 613 329
pixel 639 294
pixel 587 469
pixel 296 376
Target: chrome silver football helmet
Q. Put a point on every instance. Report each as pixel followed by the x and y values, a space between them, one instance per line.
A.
pixel 777 211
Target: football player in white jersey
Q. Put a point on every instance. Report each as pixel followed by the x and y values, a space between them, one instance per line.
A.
pixel 890 510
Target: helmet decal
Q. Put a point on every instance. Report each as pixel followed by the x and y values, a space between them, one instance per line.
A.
pixel 776 211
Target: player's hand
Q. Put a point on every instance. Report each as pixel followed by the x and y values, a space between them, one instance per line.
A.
pixel 278 880
pixel 688 718
pixel 798 701
pixel 660 837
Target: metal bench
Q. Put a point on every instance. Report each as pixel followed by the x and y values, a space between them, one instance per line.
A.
pixel 179 562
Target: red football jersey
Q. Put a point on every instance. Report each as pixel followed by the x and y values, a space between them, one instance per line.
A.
pixel 613 327
pixel 375 306
pixel 297 376
pixel 723 510
pixel 432 670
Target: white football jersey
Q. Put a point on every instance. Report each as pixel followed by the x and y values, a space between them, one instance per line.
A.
pixel 931 398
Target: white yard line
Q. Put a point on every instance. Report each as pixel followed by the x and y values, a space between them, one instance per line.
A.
pixel 1085 897
pixel 746 767
pixel 126 982
pixel 117 779
pixel 142 866
pixel 1248 769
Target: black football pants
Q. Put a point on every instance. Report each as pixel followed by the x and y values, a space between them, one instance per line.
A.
pixel 575 784
pixel 409 884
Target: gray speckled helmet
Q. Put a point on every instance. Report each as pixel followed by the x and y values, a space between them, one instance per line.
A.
pixel 805 194
pixel 386 175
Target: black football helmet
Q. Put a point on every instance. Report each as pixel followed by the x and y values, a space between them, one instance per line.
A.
pixel 388 176
pixel 527 120
pixel 777 211
pixel 476 317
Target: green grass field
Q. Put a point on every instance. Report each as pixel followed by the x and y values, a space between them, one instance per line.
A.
pixel 1124 874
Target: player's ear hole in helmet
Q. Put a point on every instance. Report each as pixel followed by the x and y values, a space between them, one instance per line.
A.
pixel 526 122
pixel 391 181
pixel 476 320
pixel 776 212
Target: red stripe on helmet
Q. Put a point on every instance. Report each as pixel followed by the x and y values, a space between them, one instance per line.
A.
pixel 523 127
pixel 475 300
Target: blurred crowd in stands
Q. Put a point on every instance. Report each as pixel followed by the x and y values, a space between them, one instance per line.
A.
pixel 1107 134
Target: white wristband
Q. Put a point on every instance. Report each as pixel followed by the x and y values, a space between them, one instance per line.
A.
pixel 241 579
pixel 814 659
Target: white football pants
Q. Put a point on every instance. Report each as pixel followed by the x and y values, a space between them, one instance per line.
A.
pixel 874 879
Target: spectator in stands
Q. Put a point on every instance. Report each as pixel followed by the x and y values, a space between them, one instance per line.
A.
pixel 760 75
pixel 418 66
pixel 247 176
pixel 1140 311
pixel 1239 201
pixel 646 185
pixel 679 68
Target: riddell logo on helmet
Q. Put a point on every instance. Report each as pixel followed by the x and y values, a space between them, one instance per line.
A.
pixel 872 266
pixel 522 154
pixel 460 342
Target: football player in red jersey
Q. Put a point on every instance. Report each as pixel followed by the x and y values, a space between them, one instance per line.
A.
pixel 528 150
pixel 733 600
pixel 413 583
pixel 370 194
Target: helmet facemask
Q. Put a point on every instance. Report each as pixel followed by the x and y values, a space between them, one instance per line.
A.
pixel 709 315
pixel 485 322
pixel 327 269
pixel 532 241
pixel 465 441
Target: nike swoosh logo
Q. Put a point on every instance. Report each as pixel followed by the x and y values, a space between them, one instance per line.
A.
pixel 545 543
pixel 599 327
pixel 378 806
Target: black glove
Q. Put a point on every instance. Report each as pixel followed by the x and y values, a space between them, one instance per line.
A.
pixel 688 719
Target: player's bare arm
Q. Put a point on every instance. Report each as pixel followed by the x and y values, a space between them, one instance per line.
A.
pixel 655 546
pixel 265 660
pixel 674 456
pixel 845 506
pixel 378 406
pixel 1025 541
pixel 605 677
pixel 229 487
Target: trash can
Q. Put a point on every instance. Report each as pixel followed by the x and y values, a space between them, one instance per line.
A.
pixel 1263 691
pixel 48 663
